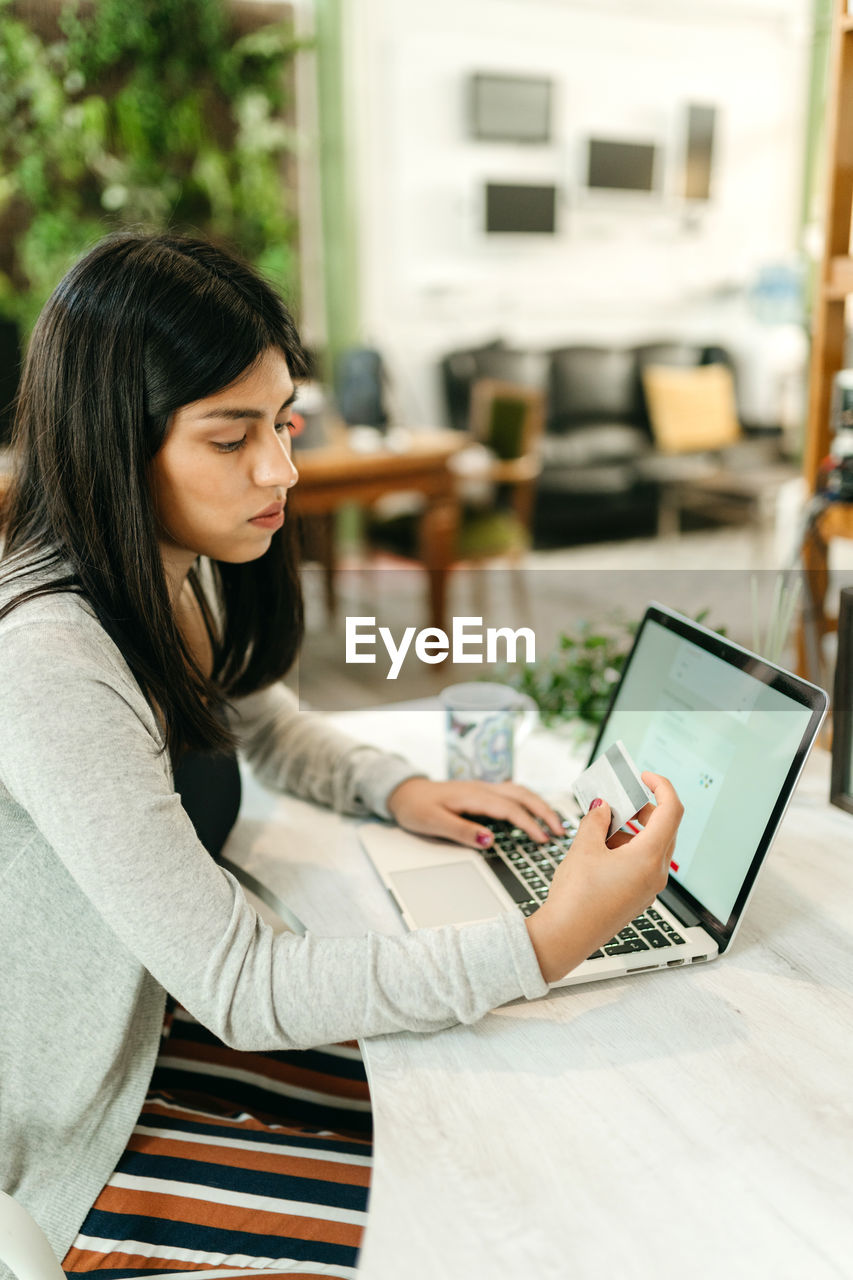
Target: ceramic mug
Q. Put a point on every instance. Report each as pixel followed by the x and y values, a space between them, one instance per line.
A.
pixel 483 723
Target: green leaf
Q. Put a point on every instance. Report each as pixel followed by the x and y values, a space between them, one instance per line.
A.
pixel 144 111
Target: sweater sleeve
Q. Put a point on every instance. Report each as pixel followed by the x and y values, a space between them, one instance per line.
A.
pixel 80 752
pixel 298 751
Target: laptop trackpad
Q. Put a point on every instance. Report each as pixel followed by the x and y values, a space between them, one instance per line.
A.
pixel 454 894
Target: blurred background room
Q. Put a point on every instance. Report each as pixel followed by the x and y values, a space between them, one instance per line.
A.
pixel 573 274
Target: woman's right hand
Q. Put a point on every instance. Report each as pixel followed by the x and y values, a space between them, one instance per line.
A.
pixel 598 888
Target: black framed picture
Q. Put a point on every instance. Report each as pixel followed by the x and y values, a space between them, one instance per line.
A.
pixel 618 165
pixel 841 786
pixel 521 207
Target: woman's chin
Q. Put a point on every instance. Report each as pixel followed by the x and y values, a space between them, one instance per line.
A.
pixel 243 554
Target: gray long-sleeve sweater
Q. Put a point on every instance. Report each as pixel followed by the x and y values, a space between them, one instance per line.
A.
pixel 108 900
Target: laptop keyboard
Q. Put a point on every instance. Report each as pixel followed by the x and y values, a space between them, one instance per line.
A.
pixel 526 868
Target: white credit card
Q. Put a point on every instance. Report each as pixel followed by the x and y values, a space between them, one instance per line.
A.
pixel 615 778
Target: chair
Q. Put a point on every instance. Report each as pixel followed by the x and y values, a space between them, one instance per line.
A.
pixel 593 387
pixel 506 422
pixel 509 419
pixel 703 462
pixel 597 428
pixel 360 385
pixel 24 1247
pixel 460 370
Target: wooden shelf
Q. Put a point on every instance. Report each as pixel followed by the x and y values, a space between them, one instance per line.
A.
pixel 836 521
pixel 829 334
pixel 839 281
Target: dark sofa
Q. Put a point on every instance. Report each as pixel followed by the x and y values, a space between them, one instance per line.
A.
pixel 598 475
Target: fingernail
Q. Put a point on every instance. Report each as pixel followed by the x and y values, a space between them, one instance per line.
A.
pixel 484 838
pixel 596 803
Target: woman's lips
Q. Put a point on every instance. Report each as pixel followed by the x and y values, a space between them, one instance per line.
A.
pixel 272 518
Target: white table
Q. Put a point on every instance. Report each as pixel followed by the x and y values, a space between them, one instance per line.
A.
pixel 696 1122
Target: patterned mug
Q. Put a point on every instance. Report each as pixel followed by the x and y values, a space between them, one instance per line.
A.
pixel 484 721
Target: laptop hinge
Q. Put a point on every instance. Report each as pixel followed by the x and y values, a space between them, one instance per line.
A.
pixel 678 908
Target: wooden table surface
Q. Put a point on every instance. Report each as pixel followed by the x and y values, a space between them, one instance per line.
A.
pixel 338 460
pixel 695 1121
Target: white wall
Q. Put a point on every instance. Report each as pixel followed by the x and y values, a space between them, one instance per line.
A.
pixel 620 268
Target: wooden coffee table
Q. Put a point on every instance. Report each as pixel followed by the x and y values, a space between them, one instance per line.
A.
pixel 336 474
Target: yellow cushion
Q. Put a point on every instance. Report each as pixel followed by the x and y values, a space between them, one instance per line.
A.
pixel 691 409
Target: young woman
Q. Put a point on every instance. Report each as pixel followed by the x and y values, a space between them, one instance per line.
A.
pixel 149 605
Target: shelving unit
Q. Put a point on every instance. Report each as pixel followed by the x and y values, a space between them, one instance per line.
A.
pixel 828 337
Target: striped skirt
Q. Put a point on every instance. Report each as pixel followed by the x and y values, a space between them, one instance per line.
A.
pixel 240 1164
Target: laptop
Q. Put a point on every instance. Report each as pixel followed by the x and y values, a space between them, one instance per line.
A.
pixel 730 730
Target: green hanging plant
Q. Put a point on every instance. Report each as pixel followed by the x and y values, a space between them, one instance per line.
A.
pixel 144 113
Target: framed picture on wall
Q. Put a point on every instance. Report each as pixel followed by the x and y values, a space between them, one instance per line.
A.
pixel 520 207
pixel 615 164
pixel 841 786
pixel 510 108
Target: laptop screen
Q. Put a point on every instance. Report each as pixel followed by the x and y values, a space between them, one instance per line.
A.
pixel 730 731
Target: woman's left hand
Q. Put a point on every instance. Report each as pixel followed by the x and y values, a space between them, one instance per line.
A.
pixel 436 808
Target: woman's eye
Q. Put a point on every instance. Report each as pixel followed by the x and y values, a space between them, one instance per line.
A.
pixel 293 425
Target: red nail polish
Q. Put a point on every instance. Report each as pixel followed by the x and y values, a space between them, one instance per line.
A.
pixel 484 838
pixel 596 803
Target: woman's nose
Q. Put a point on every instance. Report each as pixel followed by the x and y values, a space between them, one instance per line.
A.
pixel 275 467
pixel 294 474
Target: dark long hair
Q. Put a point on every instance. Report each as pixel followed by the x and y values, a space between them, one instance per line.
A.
pixel 141 326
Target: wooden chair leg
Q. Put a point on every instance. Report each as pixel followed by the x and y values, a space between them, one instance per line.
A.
pixel 437 534
pixel 326 552
pixel 520 594
pixel 523 494
pixel 479 590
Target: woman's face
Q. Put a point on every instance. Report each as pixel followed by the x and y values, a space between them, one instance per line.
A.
pixel 225 461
